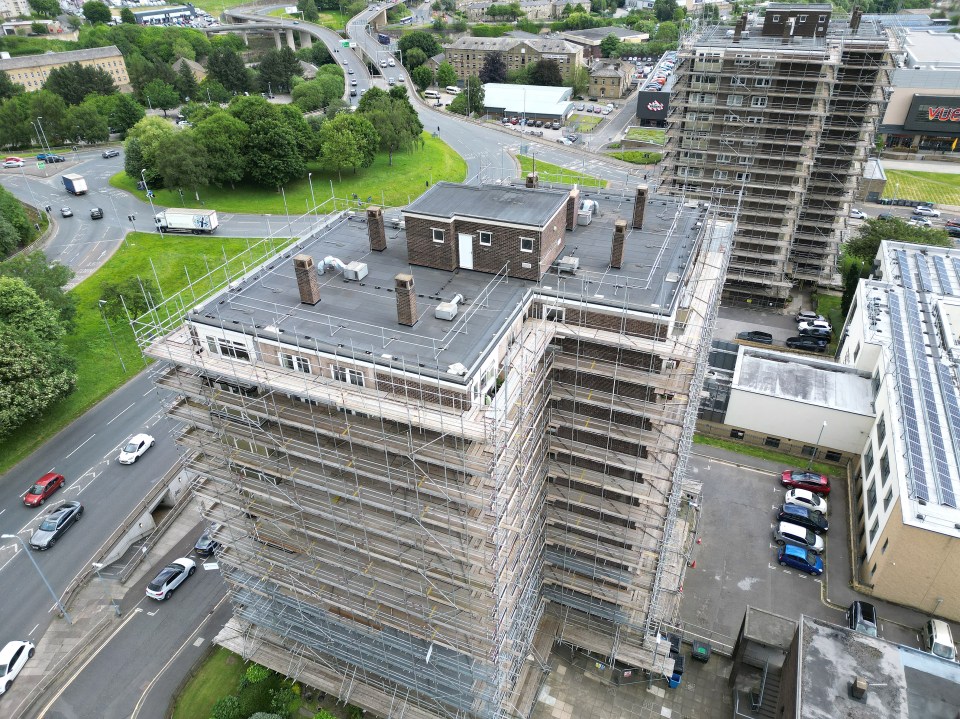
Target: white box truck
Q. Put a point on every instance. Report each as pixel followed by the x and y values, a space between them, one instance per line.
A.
pixel 75 184
pixel 179 219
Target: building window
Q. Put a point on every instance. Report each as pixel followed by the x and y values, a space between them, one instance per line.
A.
pixel 486 238
pixel 755 119
pixel 758 102
pixel 871 499
pixel 229 348
pixel 873 570
pixel 884 468
pixel 720 174
pixel 736 433
pixel 438 235
pixel 724 157
pixel 808 451
pixel 734 100
pixel 881 430
pixel 526 244
pixel 876 383
pixel 868 460
pixel 883 549
pixel 874 529
pixel 887 499
pixel 295 362
pixel 776 18
pixel 772 442
pixel 350 376
pixel 743 177
pixel 745 160
pixel 762 82
pixel 823 18
pixel 832 456
pixel 802 18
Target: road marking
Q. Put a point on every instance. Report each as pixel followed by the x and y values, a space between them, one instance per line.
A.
pixel 84 442
pixel 30 633
pixel 123 410
pixel 147 392
pixel 2 511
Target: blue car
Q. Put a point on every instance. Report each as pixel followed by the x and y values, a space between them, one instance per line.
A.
pixel 802 559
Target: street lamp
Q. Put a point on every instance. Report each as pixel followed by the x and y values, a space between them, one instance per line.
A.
pixel 44 135
pixel 36 566
pixel 153 210
pixel 110 332
pixel 313 197
pixel 817 446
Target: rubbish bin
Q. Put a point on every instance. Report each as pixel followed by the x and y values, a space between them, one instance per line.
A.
pixel 674 681
pixel 700 651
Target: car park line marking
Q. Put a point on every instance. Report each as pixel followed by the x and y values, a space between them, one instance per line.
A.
pixel 122 411
pixel 84 442
pixel 30 633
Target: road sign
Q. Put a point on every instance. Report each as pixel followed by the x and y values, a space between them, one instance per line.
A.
pixel 344 43
pixel 41 164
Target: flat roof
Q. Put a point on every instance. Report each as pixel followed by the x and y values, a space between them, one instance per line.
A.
pixel 59 58
pixel 716 35
pixel 495 203
pixel 799 379
pixel 902 683
pixel 359 319
pixel 931 49
pixel 527 99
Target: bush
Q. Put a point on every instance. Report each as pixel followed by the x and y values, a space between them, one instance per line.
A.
pixel 256 673
pixel 638 157
pixel 354 712
pixel 227 708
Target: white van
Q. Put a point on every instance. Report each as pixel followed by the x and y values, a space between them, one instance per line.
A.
pixel 938 640
pixel 432 95
pixel 453 89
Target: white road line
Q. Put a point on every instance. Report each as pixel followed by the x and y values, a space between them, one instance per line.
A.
pixel 149 391
pixel 84 442
pixel 122 411
pixel 2 511
pixel 32 631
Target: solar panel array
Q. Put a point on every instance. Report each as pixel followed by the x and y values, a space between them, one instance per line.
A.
pixel 941 465
pixel 926 281
pixel 905 278
pixel 951 401
pixel 907 402
pixel 946 286
pixel 956 265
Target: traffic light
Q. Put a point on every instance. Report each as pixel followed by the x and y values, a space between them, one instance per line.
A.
pixel 131 217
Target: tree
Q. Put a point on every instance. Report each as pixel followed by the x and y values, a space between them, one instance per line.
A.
pixel 227 707
pixel 277 69
pixel 213 90
pixel 422 40
pixel 45 8
pixel 8 88
pixel 142 147
pixel 88 124
pixel 469 101
pixel 546 72
pixel 223 138
pixel 186 83
pixel 446 75
pixel 422 77
pixel 127 112
pixel 610 46
pixel 271 152
pixel 133 296
pixel 181 163
pixel 309 10
pixel 35 371
pixel 226 66
pixel 663 9
pixel 127 17
pixel 38 28
pixel 667 32
pixel 414 59
pixel 12 211
pixel 866 243
pixel 394 119
pixel 9 238
pixel 47 279
pixel 850 281
pixel 96 12
pixel 338 146
pixel 162 95
pixel 578 80
pixel 494 68
pixel 74 82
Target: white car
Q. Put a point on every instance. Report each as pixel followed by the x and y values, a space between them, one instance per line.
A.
pixel 13 657
pixel 858 214
pixel 809 316
pixel 924 211
pixel 806 498
pixel 814 324
pixel 171 577
pixel 135 448
pixel 13 163
pixel 920 222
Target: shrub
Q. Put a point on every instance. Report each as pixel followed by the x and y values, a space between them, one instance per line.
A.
pixel 227 708
pixel 256 673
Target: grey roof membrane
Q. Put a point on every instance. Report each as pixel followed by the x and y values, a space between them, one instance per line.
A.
pixel 360 318
pixel 502 203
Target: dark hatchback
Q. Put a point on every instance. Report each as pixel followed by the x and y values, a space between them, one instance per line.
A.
pixel 764 338
pixel 810 344
pixel 809 518
pixel 862 617
pixel 207 545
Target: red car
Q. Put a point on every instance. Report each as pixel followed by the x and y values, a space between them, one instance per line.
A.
pixel 45 486
pixel 810 481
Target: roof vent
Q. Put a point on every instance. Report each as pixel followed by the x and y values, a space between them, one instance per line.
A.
pixel 457 369
pixel 448 310
pixel 355 270
pixel 568 263
pixel 858 689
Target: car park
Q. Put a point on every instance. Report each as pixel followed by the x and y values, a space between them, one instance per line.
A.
pixel 66 212
pixel 96 213
pixel 107 154
pixel 13 657
pixel 787 533
pixel 862 617
pixel 42 489
pixel 938 640
pixel 135 448
pixel 809 316
pixel 800 479
pixel 207 545
pixel 807 343
pixel 55 525
pixel 806 498
pixel 858 214
pixel 926 211
pixel 12 163
pixel 799 558
pixel 764 338
pixel 171 577
pixel 809 518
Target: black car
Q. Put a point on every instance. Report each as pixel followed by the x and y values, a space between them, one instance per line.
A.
pixel 56 158
pixel 764 338
pixel 96 214
pixel 953 231
pixel 887 216
pixel 862 617
pixel 207 545
pixel 55 524
pixel 810 344
pixel 823 333
pixel 804 516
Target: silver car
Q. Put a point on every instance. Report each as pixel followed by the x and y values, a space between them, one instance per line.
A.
pixel 55 524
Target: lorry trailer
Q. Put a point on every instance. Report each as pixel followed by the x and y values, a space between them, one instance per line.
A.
pixel 179 219
pixel 75 184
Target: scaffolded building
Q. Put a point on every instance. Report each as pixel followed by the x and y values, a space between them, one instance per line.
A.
pixel 437 441
pixel 777 119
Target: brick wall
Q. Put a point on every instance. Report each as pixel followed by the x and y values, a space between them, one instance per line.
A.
pixel 619 355
pixel 422 250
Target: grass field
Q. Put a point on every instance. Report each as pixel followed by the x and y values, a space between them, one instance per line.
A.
pixel 638 157
pixel 763 453
pixel 584 123
pixel 939 188
pixel 555 173
pixel 218 676
pixel 332 19
pixel 98 369
pixel 389 185
pixel 646 134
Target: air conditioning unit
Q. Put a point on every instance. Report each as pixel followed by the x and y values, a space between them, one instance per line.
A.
pixel 448 310
pixel 568 263
pixel 355 270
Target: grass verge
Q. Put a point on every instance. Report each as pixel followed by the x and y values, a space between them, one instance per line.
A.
pixel 217 677
pixel 646 134
pixel 766 454
pixel 936 187
pixel 584 123
pixel 829 307
pixel 638 157
pixel 390 185
pixel 98 368
pixel 555 173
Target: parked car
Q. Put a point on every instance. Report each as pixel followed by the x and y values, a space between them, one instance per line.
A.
pixel 42 489
pixel 806 498
pixel 809 316
pixel 96 213
pixel 811 481
pixel 818 332
pixel 55 525
pixel 862 617
pixel 564 141
pixel 764 338
pixel 810 344
pixel 787 533
pixel 805 517
pixel 556 125
pixel 12 163
pixel 938 640
pixel 207 545
pixel 13 657
pixel 66 212
pixel 812 324
pixel 858 214
pixel 171 577
pixel 135 448
pixel 953 231
pixel 887 216
pixel 580 106
pixel 920 222
pixel 806 561
pixel 925 211
pixel 107 154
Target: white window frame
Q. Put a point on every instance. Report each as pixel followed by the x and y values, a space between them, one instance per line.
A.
pixel 348 375
pixel 720 174
pixel 296 362
pixel 802 18
pixel 443 235
pixel 232 349
pixel 758 101
pixel 724 157
pixel 734 100
pixel 744 160
pixel 755 119
pixel 743 177
pixel 523 241
pixel 485 238
pixel 763 82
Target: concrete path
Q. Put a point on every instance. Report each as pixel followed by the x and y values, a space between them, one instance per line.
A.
pixel 947 168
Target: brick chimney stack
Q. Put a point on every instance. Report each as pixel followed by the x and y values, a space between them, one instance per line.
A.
pixel 375 229
pixel 573 205
pixel 640 206
pixel 533 180
pixel 855 18
pixel 619 244
pixel 406 300
pixel 307 280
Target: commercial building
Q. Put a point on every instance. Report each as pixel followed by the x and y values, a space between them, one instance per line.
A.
pixel 534 102
pixel 468 54
pixel 437 441
pixel 774 121
pixel 31 71
pixel 609 79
